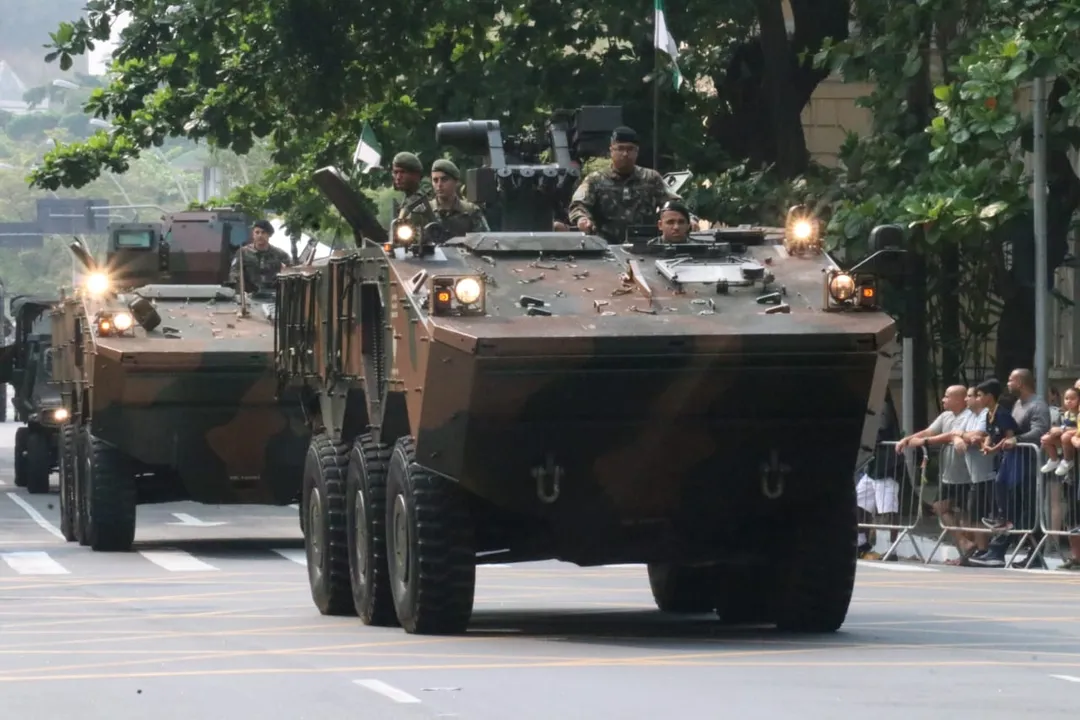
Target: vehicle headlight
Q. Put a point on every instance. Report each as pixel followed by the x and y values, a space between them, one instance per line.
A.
pixel 802 229
pixel 404 232
pixel 114 323
pixel 97 283
pixel 60 414
pixel 842 287
pixel 122 321
pixel 467 291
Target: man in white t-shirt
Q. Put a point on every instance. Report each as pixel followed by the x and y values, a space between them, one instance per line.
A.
pixel 955 480
pixel 976 497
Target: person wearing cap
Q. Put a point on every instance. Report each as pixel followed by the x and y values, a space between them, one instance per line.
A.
pixel 609 201
pixel 456 214
pixel 406 170
pixel 674 222
pixel 262 261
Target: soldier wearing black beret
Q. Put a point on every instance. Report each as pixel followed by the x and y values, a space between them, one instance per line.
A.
pixel 609 201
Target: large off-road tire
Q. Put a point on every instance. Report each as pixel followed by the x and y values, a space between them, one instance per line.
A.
pixel 431 547
pixel 365 510
pixel 20 456
pixel 325 531
pixel 679 589
pixel 110 494
pixel 38 461
pixel 814 588
pixel 68 503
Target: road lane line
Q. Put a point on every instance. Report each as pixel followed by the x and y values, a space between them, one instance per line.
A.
pixel 895 567
pixel 387 691
pixel 1067 678
pixel 35 515
pixel 33 563
pixel 176 561
pixel 297 556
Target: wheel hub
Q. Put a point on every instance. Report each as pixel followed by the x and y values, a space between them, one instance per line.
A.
pixel 401 540
pixel 315 528
pixel 360 535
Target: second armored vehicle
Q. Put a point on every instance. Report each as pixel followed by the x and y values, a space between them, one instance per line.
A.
pixel 27 365
pixel 524 395
pixel 168 377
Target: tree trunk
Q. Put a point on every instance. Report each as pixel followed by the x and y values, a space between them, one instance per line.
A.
pixel 766 85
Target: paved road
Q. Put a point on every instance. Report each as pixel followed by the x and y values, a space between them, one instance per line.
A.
pixel 217 622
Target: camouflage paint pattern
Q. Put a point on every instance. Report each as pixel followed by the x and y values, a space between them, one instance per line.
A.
pixel 654 407
pixel 195 399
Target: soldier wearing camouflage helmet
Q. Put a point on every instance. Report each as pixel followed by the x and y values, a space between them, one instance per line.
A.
pixel 262 261
pixel 406 170
pixel 608 201
pixel 456 214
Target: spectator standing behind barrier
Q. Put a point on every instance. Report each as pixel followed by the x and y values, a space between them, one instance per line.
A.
pixel 1000 428
pixel 1032 416
pixel 954 473
pixel 977 497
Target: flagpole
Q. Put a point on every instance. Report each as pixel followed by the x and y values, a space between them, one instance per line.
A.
pixel 656 95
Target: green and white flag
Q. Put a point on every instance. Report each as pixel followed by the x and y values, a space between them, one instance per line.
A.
pixel 368 151
pixel 665 43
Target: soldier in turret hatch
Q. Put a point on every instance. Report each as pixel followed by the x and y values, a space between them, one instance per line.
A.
pixel 608 201
pixel 262 261
pixel 456 214
pixel 406 171
pixel 674 222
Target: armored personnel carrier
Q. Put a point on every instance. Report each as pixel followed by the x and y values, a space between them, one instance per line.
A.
pixel 168 377
pixel 522 395
pixel 26 364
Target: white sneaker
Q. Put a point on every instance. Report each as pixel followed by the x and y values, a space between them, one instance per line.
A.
pixel 1050 466
pixel 1064 468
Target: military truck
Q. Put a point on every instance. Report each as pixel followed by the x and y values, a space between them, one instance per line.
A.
pixel 26 365
pixel 523 395
pixel 168 377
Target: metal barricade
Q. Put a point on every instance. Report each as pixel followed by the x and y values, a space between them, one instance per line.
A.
pixel 1008 503
pixel 889 496
pixel 1060 494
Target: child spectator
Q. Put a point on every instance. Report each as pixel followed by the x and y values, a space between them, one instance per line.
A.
pixel 1000 426
pixel 1059 438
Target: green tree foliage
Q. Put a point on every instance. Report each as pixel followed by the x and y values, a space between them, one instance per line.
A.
pixel 951 123
pixel 306 75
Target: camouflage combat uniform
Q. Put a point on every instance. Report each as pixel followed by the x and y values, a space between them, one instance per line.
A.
pixel 613 201
pixel 463 217
pixel 261 264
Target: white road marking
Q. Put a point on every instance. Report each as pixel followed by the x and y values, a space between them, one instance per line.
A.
pixel 35 515
pixel 3 482
pixel 897 567
pixel 295 506
pixel 33 563
pixel 492 565
pixel 176 561
pixel 297 556
pixel 1067 678
pixel 191 521
pixel 387 691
